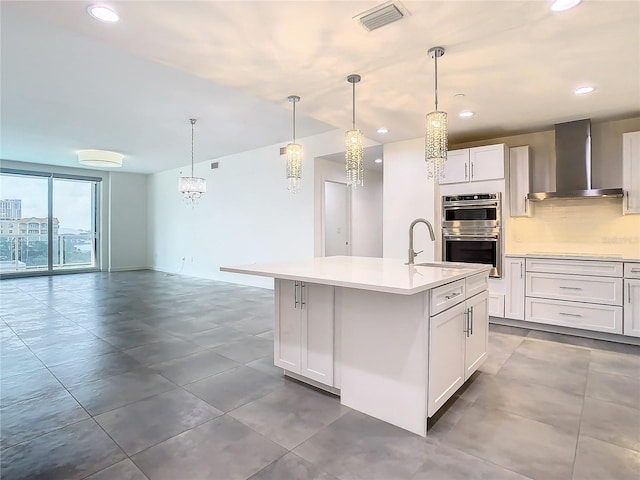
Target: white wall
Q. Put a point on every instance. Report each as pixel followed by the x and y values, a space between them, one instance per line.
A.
pixel 366 209
pixel 246 216
pixel 408 194
pixel 128 221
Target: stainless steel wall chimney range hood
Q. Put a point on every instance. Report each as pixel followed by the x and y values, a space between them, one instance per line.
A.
pixel 573 164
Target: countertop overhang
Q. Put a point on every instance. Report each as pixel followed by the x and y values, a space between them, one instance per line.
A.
pixel 388 275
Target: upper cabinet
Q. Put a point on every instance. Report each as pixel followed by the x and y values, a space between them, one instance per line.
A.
pixel 631 172
pixel 519 181
pixel 474 164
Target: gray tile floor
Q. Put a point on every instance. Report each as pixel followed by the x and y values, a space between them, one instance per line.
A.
pixel 138 375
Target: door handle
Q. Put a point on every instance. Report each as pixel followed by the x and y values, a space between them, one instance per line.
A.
pixel 570 288
pixel 465 171
pixel 472 171
pixel 295 295
pixel 525 204
pixel 628 204
pixel 466 321
pixel 520 269
pixel 471 321
pixel 302 303
pixel 629 292
pixel 570 315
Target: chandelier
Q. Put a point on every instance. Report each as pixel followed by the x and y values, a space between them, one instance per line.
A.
pixel 192 188
pixel 294 154
pixel 436 135
pixel 353 144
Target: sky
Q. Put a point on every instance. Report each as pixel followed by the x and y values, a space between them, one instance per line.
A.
pixel 71 199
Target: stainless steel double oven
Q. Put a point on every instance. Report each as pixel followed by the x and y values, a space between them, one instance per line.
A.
pixel 472 229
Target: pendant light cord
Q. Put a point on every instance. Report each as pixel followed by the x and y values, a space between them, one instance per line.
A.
pixel 294 122
pixel 193 122
pixel 435 57
pixel 354 105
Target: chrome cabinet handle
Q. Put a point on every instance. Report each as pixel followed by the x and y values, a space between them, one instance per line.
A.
pixel 302 303
pixel 525 204
pixel 472 171
pixel 570 288
pixel 629 292
pixel 570 315
pixel 465 171
pixel 521 268
pixel 628 204
pixel 466 321
pixel 449 297
pixel 295 295
pixel 635 270
pixel 471 321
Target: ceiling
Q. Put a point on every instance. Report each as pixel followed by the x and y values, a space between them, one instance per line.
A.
pixel 70 82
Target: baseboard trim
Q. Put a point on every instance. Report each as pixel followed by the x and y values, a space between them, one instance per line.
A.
pixel 576 332
pixel 127 269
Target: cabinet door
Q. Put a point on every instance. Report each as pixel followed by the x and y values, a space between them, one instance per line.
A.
pixel 317 332
pixel 514 303
pixel 446 355
pixel 287 328
pixel 456 168
pixel 477 336
pixel 631 171
pixel 632 308
pixel 519 181
pixel 486 163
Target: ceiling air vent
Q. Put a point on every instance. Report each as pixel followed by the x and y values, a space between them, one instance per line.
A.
pixel 381 15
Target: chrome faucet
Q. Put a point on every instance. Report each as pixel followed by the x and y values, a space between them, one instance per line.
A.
pixel 412 254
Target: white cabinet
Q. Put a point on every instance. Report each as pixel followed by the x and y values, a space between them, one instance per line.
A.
pixel 458 339
pixel 446 355
pixel 477 333
pixel 519 181
pixel 585 294
pixel 632 299
pixel 631 172
pixel 515 277
pixel 474 164
pixel 304 330
pixel 632 307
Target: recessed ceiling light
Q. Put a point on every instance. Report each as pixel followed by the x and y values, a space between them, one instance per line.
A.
pixel 562 5
pixel 103 13
pixel 583 90
pixel 378 160
pixel 466 114
pixel 383 130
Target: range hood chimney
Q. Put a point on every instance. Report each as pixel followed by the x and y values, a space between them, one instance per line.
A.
pixel 573 164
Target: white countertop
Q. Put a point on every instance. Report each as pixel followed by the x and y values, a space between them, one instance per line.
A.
pixel 365 273
pixel 605 257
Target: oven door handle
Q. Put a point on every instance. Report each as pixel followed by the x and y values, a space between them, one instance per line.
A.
pixel 466 206
pixel 477 237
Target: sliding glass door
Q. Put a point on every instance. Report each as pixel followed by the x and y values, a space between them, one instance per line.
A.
pixel 48 222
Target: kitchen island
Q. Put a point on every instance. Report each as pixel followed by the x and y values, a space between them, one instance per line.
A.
pixel 395 341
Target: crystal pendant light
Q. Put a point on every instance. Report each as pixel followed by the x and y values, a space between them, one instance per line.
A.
pixel 294 154
pixel 353 144
pixel 436 142
pixel 192 188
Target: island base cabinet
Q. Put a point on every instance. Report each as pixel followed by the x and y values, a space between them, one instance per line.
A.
pixel 304 330
pixel 446 355
pixel 632 308
pixel 476 332
pixel 458 339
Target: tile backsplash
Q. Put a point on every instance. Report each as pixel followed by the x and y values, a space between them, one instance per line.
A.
pixel 590 226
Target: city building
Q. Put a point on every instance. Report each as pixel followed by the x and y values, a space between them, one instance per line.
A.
pixel 10 209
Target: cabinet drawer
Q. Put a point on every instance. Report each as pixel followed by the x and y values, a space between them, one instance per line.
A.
pixel 575 267
pixel 604 290
pixel 476 284
pixel 446 296
pixel 603 318
pixel 632 270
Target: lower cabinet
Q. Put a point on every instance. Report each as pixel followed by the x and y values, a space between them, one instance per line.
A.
pixel 304 330
pixel 458 339
pixel 515 277
pixel 632 307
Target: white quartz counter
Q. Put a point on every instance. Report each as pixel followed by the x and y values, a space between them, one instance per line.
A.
pixel 365 273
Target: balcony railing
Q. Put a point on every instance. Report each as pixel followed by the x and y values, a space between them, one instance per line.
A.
pixel 20 252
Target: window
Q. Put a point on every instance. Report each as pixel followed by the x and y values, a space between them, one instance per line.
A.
pixel 59 227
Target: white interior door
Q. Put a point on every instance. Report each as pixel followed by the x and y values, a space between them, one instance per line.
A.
pixel 337 213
